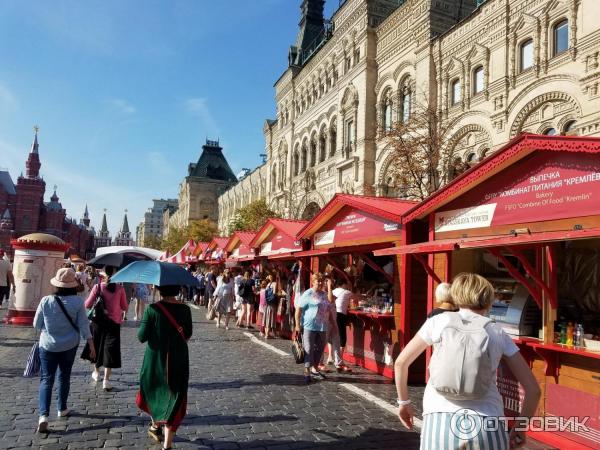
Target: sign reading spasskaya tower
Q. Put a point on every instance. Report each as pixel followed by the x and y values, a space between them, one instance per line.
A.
pixel 554 185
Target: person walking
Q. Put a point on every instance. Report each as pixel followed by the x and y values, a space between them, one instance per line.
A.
pixel 312 317
pixel 443 299
pixel 211 285
pixel 84 280
pixel 271 304
pixel 247 291
pixel 141 294
pixel 166 327
pixel 62 320
pixel 6 278
pixel 107 335
pixel 342 295
pixel 225 296
pixel 476 395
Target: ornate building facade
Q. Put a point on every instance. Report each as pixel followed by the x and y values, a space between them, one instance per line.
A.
pixel 491 69
pixel 199 191
pixel 23 210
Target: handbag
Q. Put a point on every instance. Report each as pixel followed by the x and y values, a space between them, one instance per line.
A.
pixel 212 311
pixel 298 349
pixel 32 366
pixel 98 313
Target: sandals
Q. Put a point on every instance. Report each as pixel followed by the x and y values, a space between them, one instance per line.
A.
pixel 155 433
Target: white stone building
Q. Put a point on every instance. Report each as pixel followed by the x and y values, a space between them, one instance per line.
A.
pixel 492 69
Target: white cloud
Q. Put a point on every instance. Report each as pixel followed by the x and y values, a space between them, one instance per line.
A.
pixel 121 106
pixel 199 107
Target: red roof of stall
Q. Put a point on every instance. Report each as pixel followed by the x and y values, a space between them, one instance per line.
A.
pixel 245 237
pixel 515 150
pixel 287 226
pixel 384 207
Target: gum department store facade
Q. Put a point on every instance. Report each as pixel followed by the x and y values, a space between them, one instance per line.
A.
pixel 492 70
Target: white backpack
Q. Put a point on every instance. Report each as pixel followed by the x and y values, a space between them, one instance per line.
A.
pixel 461 367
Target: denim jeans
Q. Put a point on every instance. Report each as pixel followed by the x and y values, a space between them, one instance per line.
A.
pixel 314 344
pixel 50 362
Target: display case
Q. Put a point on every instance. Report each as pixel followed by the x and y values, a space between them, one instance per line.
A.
pixel 514 309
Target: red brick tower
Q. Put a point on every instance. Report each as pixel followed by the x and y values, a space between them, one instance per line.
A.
pixel 30 194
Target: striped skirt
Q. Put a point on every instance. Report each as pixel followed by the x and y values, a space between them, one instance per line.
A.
pixel 448 431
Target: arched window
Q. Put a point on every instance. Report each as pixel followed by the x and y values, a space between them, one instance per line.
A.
pixel 332 141
pixel 406 103
pixel 313 153
pixel 274 176
pixel 561 36
pixel 478 80
pixel 549 131
pixel 387 112
pixel 296 163
pixel 322 150
pixel 455 91
pixel 569 126
pixel 303 157
pixel 526 55
pixel 472 159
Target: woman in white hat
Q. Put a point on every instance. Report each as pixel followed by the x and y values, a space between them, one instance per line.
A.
pixel 62 319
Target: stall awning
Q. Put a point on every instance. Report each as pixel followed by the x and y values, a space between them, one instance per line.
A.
pixel 446 245
pixel 284 255
pixel 315 252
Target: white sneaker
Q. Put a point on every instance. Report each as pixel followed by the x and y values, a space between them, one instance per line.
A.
pixel 106 385
pixel 64 413
pixel 42 424
pixel 95 376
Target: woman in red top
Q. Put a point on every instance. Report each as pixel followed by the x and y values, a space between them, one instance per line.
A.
pixel 107 336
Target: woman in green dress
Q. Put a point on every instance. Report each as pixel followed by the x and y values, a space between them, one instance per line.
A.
pixel 166 327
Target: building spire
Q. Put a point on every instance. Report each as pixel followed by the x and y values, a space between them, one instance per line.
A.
pixel 86 214
pixel 125 226
pixel 35 145
pixel 33 164
pixel 104 228
pixel 312 25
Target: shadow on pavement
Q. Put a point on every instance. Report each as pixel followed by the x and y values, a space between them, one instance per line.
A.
pixel 192 419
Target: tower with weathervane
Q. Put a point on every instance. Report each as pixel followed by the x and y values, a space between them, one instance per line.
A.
pixel 124 235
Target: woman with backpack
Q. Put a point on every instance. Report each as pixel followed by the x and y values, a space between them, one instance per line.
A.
pixel 61 318
pixel 461 395
pixel 107 333
pixel 271 301
pixel 225 296
pixel 164 375
pixel 246 292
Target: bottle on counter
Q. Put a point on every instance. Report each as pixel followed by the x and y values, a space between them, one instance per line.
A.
pixel 563 333
pixel 578 338
pixel 570 334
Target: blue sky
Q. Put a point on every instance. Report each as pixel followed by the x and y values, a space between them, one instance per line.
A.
pixel 125 92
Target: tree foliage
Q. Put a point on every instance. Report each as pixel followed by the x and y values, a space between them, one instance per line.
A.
pixel 252 216
pixel 423 162
pixel 198 230
pixel 154 242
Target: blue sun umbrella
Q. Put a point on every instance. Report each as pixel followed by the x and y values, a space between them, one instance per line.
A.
pixel 156 273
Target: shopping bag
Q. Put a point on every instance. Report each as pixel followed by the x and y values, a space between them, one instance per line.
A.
pixel 212 311
pixel 298 349
pixel 32 366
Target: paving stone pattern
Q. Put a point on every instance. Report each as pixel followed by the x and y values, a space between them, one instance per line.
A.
pixel 241 395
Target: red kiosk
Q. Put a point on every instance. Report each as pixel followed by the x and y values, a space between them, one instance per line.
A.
pixel 343 236
pixel 528 219
pixel 238 248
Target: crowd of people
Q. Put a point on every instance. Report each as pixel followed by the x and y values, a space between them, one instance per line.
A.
pixel 277 305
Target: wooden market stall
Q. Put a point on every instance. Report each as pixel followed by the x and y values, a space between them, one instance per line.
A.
pixel 528 219
pixel 275 245
pixel 215 251
pixel 238 250
pixel 341 240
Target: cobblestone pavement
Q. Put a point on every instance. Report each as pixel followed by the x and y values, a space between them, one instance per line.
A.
pixel 241 395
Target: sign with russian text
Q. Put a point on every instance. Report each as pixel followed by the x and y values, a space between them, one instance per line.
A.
pixel 350 224
pixel 542 186
pixel 279 242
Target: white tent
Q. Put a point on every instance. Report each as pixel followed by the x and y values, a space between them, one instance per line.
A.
pixel 149 252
